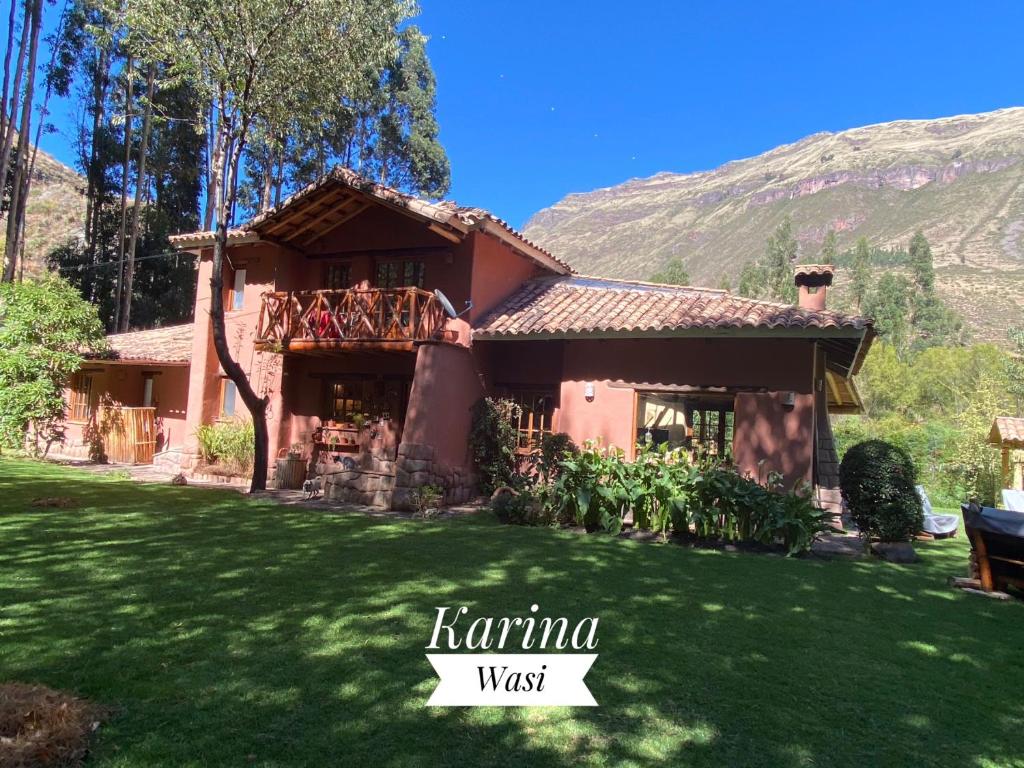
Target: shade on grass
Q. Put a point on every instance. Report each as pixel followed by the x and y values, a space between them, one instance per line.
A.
pixel 227 631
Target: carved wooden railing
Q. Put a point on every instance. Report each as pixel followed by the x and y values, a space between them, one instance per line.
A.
pixel 372 314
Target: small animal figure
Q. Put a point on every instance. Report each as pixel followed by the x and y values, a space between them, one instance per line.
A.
pixel 179 479
pixel 312 488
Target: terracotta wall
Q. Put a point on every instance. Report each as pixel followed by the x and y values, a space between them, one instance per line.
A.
pixel 497 272
pixel 304 380
pixel 263 368
pixel 124 384
pixel 446 386
pixel 764 427
pixel 770 431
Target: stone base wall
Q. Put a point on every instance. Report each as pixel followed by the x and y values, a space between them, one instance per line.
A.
pixel 416 466
pixel 371 485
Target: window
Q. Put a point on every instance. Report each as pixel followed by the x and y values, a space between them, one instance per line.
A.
pixel 537 415
pixel 701 424
pixel 338 276
pixel 375 398
pixel 400 274
pixel 81 396
pixel 227 398
pixel 147 391
pixel 238 290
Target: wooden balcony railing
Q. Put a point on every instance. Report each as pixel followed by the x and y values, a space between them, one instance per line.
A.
pixel 314 319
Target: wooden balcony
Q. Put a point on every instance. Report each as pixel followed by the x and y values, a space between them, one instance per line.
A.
pixel 386 318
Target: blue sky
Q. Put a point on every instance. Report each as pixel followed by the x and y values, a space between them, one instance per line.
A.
pixel 540 99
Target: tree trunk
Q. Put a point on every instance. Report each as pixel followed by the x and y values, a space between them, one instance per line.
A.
pixel 125 165
pixel 12 17
pixel 140 184
pixel 99 88
pixel 9 120
pixel 212 175
pixel 256 405
pixel 20 185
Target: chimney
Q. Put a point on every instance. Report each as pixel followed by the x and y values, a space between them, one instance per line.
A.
pixel 812 281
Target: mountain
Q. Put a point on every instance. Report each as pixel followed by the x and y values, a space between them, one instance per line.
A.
pixel 56 210
pixel 958 179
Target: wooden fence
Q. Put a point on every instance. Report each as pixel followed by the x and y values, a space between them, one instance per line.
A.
pixel 128 434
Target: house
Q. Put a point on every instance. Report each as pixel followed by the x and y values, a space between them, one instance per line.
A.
pixel 354 302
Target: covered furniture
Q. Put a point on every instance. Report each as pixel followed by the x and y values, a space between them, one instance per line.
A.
pixel 936 524
pixel 1013 500
pixel 997 546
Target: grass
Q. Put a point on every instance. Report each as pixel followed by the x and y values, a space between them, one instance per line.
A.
pixel 227 631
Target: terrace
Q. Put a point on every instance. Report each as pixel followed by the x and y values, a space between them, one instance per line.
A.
pixel 389 318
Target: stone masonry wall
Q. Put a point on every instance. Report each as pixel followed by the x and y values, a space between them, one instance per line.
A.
pixel 416 466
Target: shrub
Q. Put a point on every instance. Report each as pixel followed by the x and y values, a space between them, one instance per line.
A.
pixel 229 444
pixel 492 440
pixel 553 449
pixel 521 508
pixel 426 500
pixel 45 326
pixel 877 480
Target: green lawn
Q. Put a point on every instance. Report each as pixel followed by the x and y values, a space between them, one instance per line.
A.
pixel 232 632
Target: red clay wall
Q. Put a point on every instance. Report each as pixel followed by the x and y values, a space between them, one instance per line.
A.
pixel 446 386
pixel 497 272
pixel 764 427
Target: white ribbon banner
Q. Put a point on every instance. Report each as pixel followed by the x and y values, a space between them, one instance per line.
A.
pixel 511 679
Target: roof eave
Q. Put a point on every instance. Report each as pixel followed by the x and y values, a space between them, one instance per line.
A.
pixel 671 333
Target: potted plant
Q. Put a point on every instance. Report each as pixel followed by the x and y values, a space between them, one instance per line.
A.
pixel 358 420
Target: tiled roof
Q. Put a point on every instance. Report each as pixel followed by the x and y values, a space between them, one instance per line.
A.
pixel 170 344
pixel 814 269
pixel 1007 430
pixel 586 305
pixel 446 212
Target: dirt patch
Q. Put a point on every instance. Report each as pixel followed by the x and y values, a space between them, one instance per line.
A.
pixel 40 726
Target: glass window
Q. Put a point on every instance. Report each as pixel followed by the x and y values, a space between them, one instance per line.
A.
pixel 238 290
pixel 81 396
pixel 338 276
pixel 400 274
pixel 703 425
pixel 227 398
pixel 147 392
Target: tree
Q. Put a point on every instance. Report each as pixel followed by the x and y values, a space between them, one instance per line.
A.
pixel 889 306
pixel 44 327
pixel 281 61
pixel 22 180
pixel 771 277
pixel 672 273
pixel 1014 366
pixel 860 279
pixel 922 267
pixel 829 248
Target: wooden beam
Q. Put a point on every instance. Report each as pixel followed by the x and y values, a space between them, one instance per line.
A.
pixel 386 253
pixel 437 229
pixel 331 209
pixel 335 224
pixel 326 200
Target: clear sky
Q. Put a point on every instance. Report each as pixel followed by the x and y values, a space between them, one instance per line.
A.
pixel 540 99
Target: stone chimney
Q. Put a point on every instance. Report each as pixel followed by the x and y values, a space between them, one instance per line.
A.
pixel 812 281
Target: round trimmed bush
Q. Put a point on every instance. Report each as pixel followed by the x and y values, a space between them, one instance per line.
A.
pixel 877 480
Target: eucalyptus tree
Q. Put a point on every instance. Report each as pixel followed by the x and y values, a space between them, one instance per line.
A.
pixel 260 63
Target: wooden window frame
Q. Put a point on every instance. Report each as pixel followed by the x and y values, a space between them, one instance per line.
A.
pixel 222 415
pixel 345 268
pixel 402 269
pixel 80 405
pixel 236 296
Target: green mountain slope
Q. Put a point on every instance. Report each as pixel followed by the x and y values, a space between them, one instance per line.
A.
pixel 959 179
